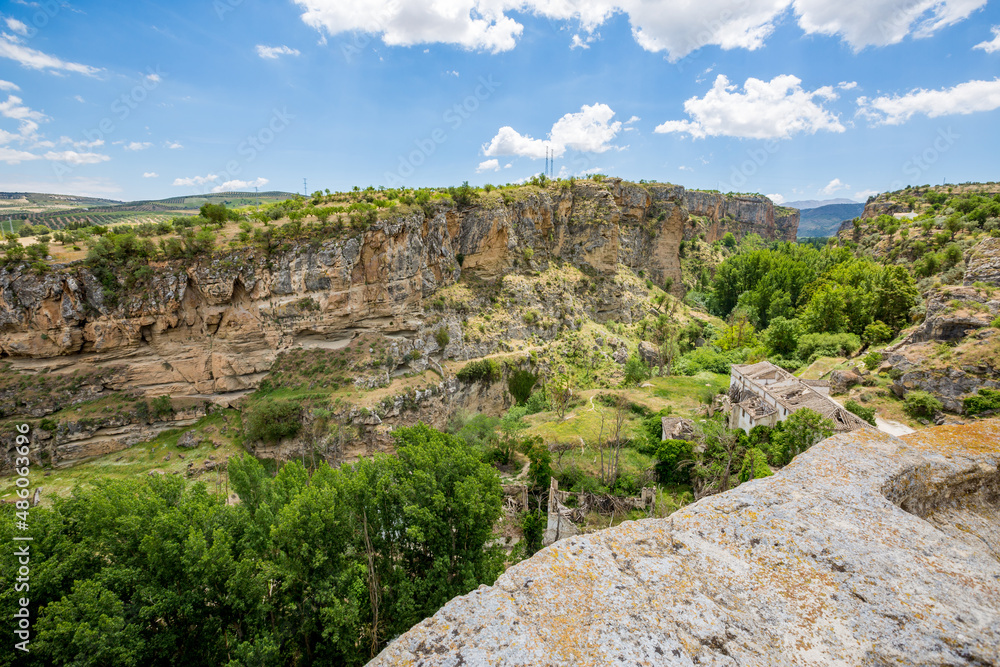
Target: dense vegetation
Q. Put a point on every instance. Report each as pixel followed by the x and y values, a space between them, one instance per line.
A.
pixel 307 569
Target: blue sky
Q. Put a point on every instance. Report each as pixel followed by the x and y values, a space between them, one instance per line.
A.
pixel 801 99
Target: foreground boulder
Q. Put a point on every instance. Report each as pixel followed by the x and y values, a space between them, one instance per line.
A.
pixel 866 550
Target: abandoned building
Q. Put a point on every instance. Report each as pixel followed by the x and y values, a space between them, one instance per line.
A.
pixel 763 394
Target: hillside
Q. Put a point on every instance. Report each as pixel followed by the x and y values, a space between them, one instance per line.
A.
pixel 826 220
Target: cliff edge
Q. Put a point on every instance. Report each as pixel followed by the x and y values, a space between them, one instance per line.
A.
pixel 866 550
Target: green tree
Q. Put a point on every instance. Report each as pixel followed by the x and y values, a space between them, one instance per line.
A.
pixel 800 431
pixel 520 384
pixel 868 414
pixel 782 336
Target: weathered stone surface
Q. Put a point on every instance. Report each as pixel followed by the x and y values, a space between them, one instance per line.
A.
pixel 952 312
pixel 648 353
pixel 187 440
pixel 983 263
pixel 841 381
pixel 948 385
pixel 866 550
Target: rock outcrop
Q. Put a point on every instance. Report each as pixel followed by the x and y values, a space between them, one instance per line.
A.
pixel 214 326
pixel 983 263
pixel 740 214
pixel 865 550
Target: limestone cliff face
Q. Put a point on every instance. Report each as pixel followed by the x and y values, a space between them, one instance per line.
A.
pixel 741 215
pixel 216 325
pixel 866 550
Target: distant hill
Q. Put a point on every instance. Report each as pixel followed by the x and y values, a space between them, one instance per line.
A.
pixel 816 203
pixel 825 220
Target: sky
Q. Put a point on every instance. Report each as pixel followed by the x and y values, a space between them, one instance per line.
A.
pixel 796 99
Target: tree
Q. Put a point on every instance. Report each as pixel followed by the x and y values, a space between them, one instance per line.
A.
pixel 665 334
pixel 520 384
pixel 800 431
pixel 560 393
pixel 826 312
pixel 868 414
pixel 754 465
pixel 782 336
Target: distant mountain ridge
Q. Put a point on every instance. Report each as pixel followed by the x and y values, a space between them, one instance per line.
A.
pixel 826 220
pixel 816 203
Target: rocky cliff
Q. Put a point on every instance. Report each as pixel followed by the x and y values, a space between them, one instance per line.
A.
pixel 741 215
pixel 214 325
pixel 866 550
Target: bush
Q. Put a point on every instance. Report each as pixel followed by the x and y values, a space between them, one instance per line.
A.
pixel 921 404
pixel 868 414
pixel 486 371
pixel 878 332
pixel 816 345
pixel 704 359
pixel 442 337
pixel 995 323
pixel 670 456
pixel 872 360
pixel 755 463
pixel 531 317
pixel 985 400
pixel 533 529
pixel 520 385
pixel 636 370
pixel 270 421
pixel 161 407
pixel 537 402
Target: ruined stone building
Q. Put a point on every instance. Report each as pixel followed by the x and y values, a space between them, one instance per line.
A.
pixel 763 394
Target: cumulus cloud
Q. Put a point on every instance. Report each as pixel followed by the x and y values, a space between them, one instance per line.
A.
pixel 13 156
pixel 488 165
pixel 76 158
pixel 777 199
pixel 138 145
pixel 834 186
pixel 273 52
pixel 80 145
pixel 685 168
pixel 993 45
pixel 28 119
pixel 964 98
pixel 863 195
pixel 775 109
pixel 150 174
pixel 195 180
pixel 238 185
pixel 173 145
pixel 676 28
pixel 35 59
pixel 7 85
pixel 590 130
pixel 863 23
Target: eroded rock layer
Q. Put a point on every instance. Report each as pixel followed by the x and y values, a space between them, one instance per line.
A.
pixel 866 550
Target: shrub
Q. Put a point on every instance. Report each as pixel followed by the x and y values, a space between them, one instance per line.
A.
pixel 161 406
pixel 442 337
pixel 486 371
pixel 995 323
pixel 533 528
pixel 827 345
pixel 537 402
pixel 670 456
pixel 755 463
pixel 868 414
pixel 878 332
pixel 704 359
pixel 520 385
pixel 985 400
pixel 271 420
pixel 636 370
pixel 531 317
pixel 872 360
pixel 921 404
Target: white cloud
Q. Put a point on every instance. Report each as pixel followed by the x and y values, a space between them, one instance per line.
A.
pixel 28 118
pixel 776 198
pixel 685 168
pixel 173 145
pixel 964 98
pixel 79 98
pixel 993 45
pixel 590 130
pixel 75 158
pixel 775 109
pixel 138 145
pixel 239 185
pixel 863 23
pixel 834 186
pixel 7 85
pixel 153 77
pixel 488 165
pixel 195 180
pixel 273 52
pixel 670 26
pixel 79 145
pixel 17 26
pixel 508 165
pixel 452 72
pixel 34 59
pixel 847 85
pixel 150 174
pixel 580 42
pixel 863 195
pixel 13 156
